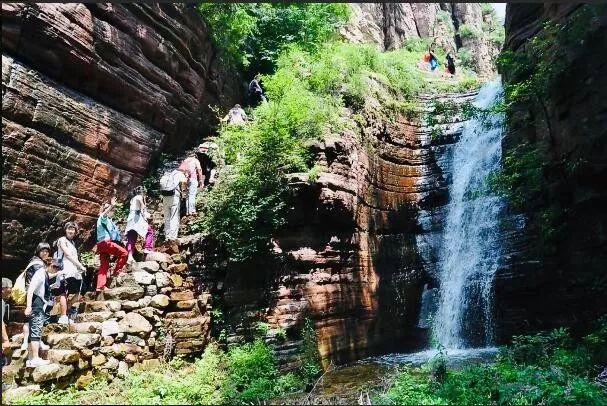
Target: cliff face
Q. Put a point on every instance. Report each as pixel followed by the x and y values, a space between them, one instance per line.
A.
pixel 391 24
pixel 555 274
pixel 359 244
pixel 90 92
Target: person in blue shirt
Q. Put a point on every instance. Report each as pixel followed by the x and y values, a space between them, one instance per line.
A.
pixel 109 242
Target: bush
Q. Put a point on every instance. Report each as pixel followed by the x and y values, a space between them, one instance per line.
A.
pixel 467 31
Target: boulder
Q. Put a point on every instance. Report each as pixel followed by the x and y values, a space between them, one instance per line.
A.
pixel 160 301
pixel 158 257
pixel 63 356
pixel 186 304
pixel 73 340
pixel 178 268
pixel 131 304
pixel 97 317
pixel 15 394
pixel 98 360
pixel 163 279
pixel 135 323
pixel 149 266
pixel 124 293
pixel 110 327
pixel 183 295
pixel 45 373
pixel 101 306
pixel 143 277
pixel 84 380
pixel 123 369
pixel 151 290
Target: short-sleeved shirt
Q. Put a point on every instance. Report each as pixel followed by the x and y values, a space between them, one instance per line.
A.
pixel 69 268
pixel 191 165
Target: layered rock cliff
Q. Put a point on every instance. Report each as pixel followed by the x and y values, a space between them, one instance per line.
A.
pixel 390 25
pixel 555 273
pixel 359 244
pixel 90 94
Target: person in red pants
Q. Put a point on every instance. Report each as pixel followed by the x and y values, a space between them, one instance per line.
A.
pixel 108 244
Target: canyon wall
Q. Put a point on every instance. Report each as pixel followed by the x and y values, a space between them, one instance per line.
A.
pixel 359 244
pixel 90 93
pixel 556 274
pixel 390 25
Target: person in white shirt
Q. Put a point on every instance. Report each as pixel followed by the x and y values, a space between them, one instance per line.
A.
pixel 136 223
pixel 236 116
pixel 69 279
pixel 171 201
pixel 38 301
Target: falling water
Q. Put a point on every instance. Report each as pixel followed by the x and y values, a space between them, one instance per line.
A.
pixel 471 242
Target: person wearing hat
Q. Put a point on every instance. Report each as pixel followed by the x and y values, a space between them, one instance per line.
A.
pixel 136 222
pixel 69 278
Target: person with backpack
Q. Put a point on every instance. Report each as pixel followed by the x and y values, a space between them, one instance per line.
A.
pixel 109 243
pixel 136 223
pixel 191 166
pixel 172 188
pixel 69 278
pixel 38 301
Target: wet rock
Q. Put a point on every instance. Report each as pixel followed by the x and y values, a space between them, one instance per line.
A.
pixel 135 323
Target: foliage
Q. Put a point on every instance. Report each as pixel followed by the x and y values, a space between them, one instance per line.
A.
pixel 465 57
pixel 254 34
pixel 310 357
pixel 467 31
pixel 547 368
pixel 307 95
pixel 121 212
pixel 245 374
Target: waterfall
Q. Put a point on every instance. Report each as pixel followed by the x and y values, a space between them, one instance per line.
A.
pixel 470 248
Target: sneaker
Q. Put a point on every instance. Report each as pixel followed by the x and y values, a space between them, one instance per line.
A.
pixel 36 362
pixel 63 320
pixel 43 346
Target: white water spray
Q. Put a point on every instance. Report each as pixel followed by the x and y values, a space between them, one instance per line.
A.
pixel 471 245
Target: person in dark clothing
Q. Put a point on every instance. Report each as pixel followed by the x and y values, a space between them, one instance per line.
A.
pixel 206 162
pixel 256 95
pixel 450 64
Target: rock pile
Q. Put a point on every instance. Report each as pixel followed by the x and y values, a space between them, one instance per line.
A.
pixel 142 306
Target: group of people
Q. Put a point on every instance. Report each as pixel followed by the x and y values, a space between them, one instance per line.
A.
pixel 430 62
pixel 59 275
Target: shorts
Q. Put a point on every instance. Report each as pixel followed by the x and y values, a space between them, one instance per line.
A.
pixel 36 323
pixel 68 286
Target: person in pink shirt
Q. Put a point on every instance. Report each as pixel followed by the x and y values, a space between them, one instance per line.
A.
pixel 193 169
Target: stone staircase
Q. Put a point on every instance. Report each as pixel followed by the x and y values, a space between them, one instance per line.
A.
pixel 128 328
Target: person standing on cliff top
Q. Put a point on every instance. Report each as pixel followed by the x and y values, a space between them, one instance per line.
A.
pixel 69 279
pixel 109 243
pixel 191 166
pixel 137 225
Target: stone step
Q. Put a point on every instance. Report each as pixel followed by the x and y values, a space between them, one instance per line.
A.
pixel 71 341
pixel 96 317
pixel 101 306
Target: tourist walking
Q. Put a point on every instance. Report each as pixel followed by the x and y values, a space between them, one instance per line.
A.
pixel 256 95
pixel 172 188
pixel 193 170
pixel 236 116
pixel 137 225
pixel 69 278
pixel 450 64
pixel 109 243
pixel 37 302
pixel 209 167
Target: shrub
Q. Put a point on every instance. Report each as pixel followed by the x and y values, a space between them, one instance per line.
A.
pixel 467 31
